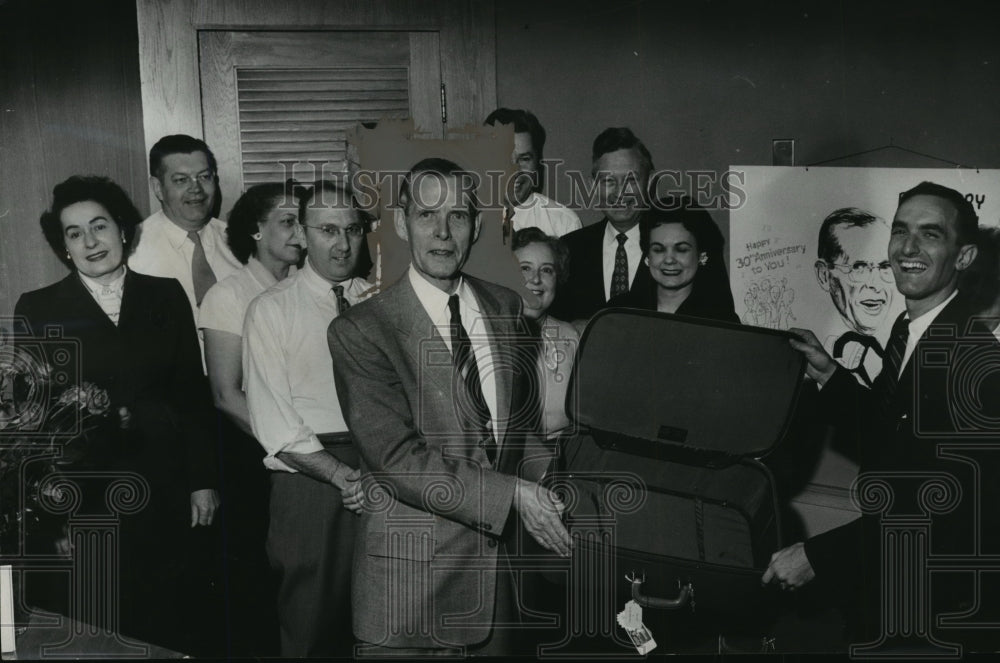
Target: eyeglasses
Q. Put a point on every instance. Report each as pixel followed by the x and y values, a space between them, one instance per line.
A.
pixel 330 231
pixel 859 271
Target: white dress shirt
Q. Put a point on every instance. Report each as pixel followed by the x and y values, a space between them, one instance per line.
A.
pixel 919 325
pixel 225 304
pixel 550 217
pixel 164 249
pixel 632 250
pixel 108 297
pixel 287 368
pixel 435 302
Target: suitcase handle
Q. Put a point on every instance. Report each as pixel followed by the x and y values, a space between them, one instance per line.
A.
pixel 684 597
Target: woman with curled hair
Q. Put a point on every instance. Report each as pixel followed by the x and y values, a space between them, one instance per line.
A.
pixel 264 234
pixel 544 262
pixel 683 250
pixel 137 342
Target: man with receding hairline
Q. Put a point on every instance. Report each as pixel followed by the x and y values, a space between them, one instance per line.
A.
pixel 428 375
pixel 605 257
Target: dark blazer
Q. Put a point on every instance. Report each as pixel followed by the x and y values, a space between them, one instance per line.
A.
pixel 583 294
pixel 934 412
pixel 425 563
pixel 150 363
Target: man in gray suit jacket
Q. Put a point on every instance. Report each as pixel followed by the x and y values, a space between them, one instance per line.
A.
pixel 431 377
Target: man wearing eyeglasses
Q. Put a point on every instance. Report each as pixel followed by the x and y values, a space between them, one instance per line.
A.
pixel 853 268
pixel 296 418
pixel 183 240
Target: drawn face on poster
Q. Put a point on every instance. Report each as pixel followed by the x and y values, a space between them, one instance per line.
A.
pixel 810 248
pixel 854 269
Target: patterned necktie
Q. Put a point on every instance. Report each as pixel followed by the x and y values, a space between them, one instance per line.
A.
pixel 619 277
pixel 508 224
pixel 342 303
pixel 894 351
pixel 201 271
pixel 473 411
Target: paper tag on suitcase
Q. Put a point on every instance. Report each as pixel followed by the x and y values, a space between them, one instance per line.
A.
pixel 630 619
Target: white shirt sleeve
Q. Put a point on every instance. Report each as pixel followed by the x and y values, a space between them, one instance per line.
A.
pixel 220 310
pixel 276 424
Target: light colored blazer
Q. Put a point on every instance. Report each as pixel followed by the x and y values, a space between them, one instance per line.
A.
pixel 425 562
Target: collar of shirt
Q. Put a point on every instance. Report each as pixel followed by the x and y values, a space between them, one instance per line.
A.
pixel 611 236
pixel 174 233
pixel 919 325
pixel 116 287
pixel 527 204
pixel 435 303
pixel 261 274
pixel 177 236
pixel 355 289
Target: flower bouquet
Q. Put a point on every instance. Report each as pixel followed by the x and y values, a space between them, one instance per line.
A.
pixel 44 428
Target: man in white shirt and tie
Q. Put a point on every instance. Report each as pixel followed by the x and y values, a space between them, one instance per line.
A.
pixel 183 240
pixel 605 257
pixel 295 414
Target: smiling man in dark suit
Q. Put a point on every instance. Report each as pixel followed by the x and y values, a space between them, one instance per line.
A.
pixel 605 257
pixel 430 377
pixel 934 402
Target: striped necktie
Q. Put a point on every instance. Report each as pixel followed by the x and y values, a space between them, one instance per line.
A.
pixel 894 351
pixel 474 413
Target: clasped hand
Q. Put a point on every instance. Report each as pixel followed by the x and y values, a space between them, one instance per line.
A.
pixel 541 511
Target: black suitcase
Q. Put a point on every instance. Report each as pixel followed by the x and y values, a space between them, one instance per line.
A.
pixel 666 494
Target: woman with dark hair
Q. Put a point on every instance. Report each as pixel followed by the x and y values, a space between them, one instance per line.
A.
pixel 683 250
pixel 263 233
pixel 544 262
pixel 138 342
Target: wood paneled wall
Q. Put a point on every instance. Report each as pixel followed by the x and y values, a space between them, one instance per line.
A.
pixel 69 104
pixel 168 48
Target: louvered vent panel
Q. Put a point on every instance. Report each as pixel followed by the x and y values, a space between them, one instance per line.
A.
pixel 304 114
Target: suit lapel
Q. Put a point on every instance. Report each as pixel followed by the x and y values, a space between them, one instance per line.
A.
pixel 78 300
pixel 949 324
pixel 497 328
pixel 596 285
pixel 417 333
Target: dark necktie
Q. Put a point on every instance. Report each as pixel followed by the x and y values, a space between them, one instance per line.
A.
pixel 201 272
pixel 342 303
pixel 619 277
pixel 508 224
pixel 894 351
pixel 472 411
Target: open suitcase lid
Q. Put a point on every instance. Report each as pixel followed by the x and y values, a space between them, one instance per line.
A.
pixel 698 384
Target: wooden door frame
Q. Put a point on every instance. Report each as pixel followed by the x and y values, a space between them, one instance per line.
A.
pixel 168 49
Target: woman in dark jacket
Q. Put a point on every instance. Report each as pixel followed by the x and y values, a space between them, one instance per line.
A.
pixel 683 250
pixel 138 342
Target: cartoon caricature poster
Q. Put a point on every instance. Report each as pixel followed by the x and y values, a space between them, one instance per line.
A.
pixel 808 248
